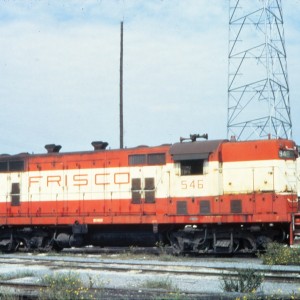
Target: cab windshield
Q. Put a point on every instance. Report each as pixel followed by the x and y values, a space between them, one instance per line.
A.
pixel 286 153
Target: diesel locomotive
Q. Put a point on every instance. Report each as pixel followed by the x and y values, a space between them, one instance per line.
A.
pixel 197 196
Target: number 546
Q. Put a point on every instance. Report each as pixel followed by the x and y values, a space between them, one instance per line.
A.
pixel 193 184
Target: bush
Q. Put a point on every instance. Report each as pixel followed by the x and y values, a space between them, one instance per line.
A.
pixel 278 254
pixel 63 287
pixel 245 281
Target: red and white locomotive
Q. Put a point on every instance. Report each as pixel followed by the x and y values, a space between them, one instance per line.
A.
pixel 215 196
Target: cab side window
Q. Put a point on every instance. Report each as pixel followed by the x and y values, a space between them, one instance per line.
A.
pixel 192 167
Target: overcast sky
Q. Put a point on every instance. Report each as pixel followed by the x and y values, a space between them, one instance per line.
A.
pixel 59 71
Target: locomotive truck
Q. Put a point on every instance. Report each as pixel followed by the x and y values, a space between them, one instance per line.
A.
pixel 208 196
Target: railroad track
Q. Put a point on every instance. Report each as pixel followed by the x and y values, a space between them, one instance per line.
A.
pixel 212 269
pixel 27 291
pixel 271 273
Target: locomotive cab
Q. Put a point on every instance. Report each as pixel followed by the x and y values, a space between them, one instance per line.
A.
pixel 244 197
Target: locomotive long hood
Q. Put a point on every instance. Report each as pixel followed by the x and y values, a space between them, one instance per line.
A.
pixel 194 150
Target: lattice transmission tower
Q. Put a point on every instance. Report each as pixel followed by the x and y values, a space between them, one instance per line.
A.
pixel 258 90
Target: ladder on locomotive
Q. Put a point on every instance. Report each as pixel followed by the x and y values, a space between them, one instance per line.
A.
pixel 296 228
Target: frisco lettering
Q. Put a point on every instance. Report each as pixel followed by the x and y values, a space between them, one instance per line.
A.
pixel 80 179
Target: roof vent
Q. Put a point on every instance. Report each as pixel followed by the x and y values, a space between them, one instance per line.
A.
pixel 52 148
pixel 99 145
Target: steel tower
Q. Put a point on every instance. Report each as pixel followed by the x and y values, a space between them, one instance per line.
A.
pixel 258 90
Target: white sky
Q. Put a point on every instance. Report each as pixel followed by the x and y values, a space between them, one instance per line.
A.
pixel 59 71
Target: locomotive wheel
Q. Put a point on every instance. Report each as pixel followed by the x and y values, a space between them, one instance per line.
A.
pixel 11 246
pixel 56 248
pixel 177 247
pixel 176 250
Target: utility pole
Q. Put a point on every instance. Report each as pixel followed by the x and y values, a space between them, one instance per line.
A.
pixel 121 90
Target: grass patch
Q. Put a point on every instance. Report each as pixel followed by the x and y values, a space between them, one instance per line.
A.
pixel 161 283
pixel 279 254
pixel 7 294
pixel 244 281
pixel 167 257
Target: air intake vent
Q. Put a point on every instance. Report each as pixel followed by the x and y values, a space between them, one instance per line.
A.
pixel 181 208
pixel 99 145
pixel 236 206
pixel 204 207
pixel 52 148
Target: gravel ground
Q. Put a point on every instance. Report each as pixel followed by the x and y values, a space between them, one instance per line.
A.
pixel 136 280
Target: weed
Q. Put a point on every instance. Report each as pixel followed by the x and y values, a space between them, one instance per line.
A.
pixel 162 247
pixel 61 286
pixel 278 254
pixel 276 295
pixel 245 281
pixel 163 252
